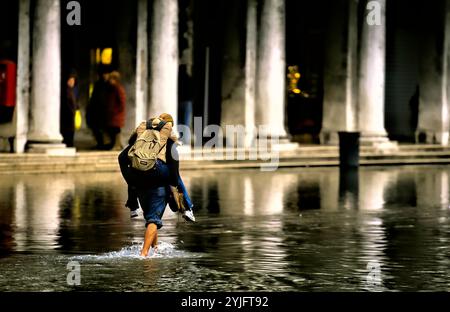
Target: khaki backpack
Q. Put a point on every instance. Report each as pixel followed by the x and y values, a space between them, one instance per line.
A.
pixel 144 152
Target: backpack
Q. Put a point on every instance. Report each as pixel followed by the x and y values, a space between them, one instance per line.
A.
pixel 144 152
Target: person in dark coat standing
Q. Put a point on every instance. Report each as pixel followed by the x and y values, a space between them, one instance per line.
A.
pixel 96 109
pixel 69 105
pixel 115 111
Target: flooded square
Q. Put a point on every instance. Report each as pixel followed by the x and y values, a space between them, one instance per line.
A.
pixel 291 230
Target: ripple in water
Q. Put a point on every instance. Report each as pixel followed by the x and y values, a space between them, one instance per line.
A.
pixel 165 250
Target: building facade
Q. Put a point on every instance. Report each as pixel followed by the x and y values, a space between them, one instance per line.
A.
pixel 306 69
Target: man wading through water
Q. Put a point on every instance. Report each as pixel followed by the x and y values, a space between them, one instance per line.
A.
pixel 150 166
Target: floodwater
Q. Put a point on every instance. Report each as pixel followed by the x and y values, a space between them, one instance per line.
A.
pixel 299 229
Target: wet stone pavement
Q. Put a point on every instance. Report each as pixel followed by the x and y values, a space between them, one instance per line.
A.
pixel 290 230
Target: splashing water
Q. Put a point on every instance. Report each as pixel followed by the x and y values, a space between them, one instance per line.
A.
pixel 164 250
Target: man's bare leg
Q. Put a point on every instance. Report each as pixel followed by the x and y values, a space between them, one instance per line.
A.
pixel 150 236
pixel 155 242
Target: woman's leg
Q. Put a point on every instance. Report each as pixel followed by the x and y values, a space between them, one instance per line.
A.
pixel 163 175
pixel 188 214
pixel 127 175
pixel 188 202
pixel 132 201
pixel 124 164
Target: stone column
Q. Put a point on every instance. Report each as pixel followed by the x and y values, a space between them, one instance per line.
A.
pixel 46 75
pixel 271 72
pixel 23 76
pixel 434 75
pixel 164 59
pixel 238 83
pixel 126 53
pixel 141 63
pixel 187 54
pixel 372 75
pixel 340 71
pixel 250 71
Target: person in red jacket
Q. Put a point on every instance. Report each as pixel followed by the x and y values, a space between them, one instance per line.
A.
pixel 115 111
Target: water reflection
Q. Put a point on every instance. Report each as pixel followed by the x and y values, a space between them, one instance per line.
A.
pixel 6 220
pixel 294 229
pixel 402 191
pixel 245 234
pixel 433 190
pixel 60 211
pixel 372 188
pixel 92 213
pixel 329 189
pixel 40 220
pixel 349 188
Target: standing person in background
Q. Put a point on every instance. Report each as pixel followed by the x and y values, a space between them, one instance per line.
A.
pixel 96 109
pixel 69 105
pixel 414 113
pixel 115 111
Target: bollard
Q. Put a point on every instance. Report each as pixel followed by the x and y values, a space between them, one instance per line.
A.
pixel 349 149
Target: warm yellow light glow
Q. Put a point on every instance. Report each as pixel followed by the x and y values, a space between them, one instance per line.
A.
pixel 97 56
pixel 107 56
pixel 77 120
pixel 91 89
pixel 294 77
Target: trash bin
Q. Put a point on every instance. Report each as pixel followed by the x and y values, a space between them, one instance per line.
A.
pixel 349 149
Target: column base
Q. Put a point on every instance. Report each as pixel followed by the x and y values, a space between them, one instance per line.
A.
pixel 20 144
pixel 246 140
pixel 283 143
pixel 373 138
pixel 380 142
pixel 51 149
pixel 432 137
pixel 329 137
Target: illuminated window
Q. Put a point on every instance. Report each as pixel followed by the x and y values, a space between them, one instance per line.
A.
pixel 107 56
